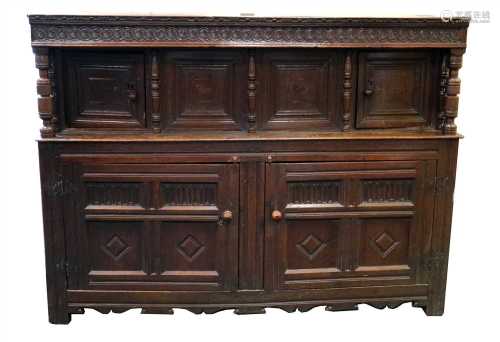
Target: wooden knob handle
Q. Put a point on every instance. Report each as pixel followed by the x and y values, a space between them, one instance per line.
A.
pixel 277 215
pixel 132 93
pixel 227 215
pixel 369 88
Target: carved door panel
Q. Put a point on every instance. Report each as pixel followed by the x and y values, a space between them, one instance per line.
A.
pixel 298 89
pixel 204 89
pixel 165 226
pixel 105 90
pixel 393 89
pixel 346 223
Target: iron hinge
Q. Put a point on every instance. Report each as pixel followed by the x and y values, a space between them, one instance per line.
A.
pixel 68 269
pixel 60 187
pixel 440 184
pixel 63 267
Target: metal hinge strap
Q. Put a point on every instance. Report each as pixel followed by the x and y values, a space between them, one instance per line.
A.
pixel 440 184
pixel 60 187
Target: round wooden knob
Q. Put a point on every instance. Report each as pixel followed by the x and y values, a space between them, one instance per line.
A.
pixel 227 215
pixel 368 92
pixel 277 215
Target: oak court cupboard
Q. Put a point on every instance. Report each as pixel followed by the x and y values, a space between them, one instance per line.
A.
pixel 212 163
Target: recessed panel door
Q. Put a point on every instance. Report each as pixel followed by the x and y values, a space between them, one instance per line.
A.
pixel 152 226
pixel 105 90
pixel 393 90
pixel 345 223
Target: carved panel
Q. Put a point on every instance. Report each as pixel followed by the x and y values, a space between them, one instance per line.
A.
pixel 244 31
pixel 311 248
pixel 393 89
pixel 193 252
pixel 190 248
pixel 203 91
pixel 106 90
pixel 115 246
pixel 319 192
pixel 189 194
pixel 297 90
pixel 388 190
pixel 385 241
pixel 113 194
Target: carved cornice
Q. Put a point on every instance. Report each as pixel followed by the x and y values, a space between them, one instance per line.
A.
pixel 245 31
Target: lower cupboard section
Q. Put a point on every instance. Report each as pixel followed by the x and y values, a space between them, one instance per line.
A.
pixel 209 233
pixel 164 226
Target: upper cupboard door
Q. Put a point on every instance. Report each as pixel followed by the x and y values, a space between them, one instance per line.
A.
pixel 394 90
pixel 203 89
pixel 105 90
pixel 298 89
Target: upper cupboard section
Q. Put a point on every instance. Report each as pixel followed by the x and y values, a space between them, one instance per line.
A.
pixel 183 90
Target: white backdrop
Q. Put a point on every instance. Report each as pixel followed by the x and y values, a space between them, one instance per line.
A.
pixel 472 299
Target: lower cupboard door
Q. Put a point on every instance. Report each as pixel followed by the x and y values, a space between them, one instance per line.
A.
pixel 152 227
pixel 334 224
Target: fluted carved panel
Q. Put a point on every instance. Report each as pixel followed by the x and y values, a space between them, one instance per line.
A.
pixel 178 194
pixel 323 192
pixel 120 194
pixel 388 190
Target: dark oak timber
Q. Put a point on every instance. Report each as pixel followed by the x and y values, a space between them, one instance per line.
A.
pixel 213 163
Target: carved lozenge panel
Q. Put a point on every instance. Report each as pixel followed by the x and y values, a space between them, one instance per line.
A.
pixel 385 241
pixel 311 245
pixel 191 252
pixel 115 246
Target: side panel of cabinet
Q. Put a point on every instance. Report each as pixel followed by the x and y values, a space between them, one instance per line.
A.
pixel 298 89
pixel 104 90
pixel 203 89
pixel 395 89
pixel 346 223
pixel 149 226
